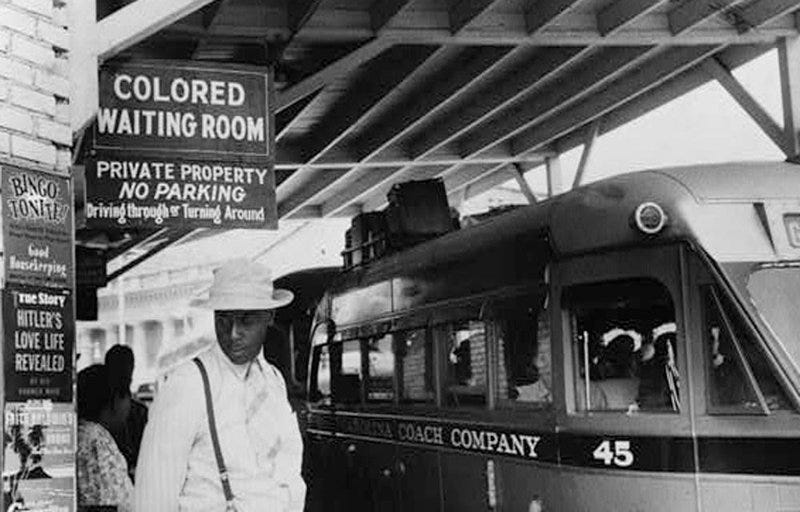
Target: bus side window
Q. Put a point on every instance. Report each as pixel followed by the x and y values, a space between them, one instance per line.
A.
pixel 415 363
pixel 524 373
pixel 624 351
pixel 465 374
pixel 380 366
pixel 739 378
pixel 347 381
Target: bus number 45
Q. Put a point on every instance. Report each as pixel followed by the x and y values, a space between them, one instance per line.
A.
pixel 621 455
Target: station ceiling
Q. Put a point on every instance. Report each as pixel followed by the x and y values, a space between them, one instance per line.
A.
pixel 372 92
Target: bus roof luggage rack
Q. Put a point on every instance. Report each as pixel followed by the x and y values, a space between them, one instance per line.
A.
pixel 366 239
pixel 417 211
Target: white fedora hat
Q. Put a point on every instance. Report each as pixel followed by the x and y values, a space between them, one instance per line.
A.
pixel 242 284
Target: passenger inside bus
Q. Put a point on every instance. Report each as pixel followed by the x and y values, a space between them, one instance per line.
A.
pixel 624 349
pixel 524 346
pixel 466 363
pixel 740 379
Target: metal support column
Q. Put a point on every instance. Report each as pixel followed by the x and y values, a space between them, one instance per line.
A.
pixel 789 64
pixel 519 175
pixel 554 178
pixel 588 144
pixel 749 104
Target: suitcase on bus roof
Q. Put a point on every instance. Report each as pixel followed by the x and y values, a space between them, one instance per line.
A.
pixel 417 211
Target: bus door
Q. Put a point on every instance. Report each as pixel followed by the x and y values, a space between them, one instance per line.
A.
pixel 746 423
pixel 625 439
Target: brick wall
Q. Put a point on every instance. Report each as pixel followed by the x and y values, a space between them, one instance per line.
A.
pixel 34 84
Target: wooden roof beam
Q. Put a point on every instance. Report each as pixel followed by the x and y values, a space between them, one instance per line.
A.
pixel 471 176
pixel 291 115
pixel 321 180
pixel 576 117
pixel 591 75
pixel 332 71
pixel 376 82
pixel 581 31
pixel 464 12
pixel 691 13
pixel 668 91
pixel 498 93
pixel 621 13
pixel 382 12
pixel 345 160
pixel 471 67
pixel 137 21
pixel 761 117
pixel 376 198
pixel 378 79
pixel 760 12
pixel 357 189
pixel 543 13
pixel 299 12
pixel 670 63
pixel 211 19
pixel 494 96
pixel 465 69
pixel 371 195
pixel 490 178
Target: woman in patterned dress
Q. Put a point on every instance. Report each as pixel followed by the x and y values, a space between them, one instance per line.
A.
pixel 102 470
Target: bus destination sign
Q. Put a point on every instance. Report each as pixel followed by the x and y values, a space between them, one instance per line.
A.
pixel 792 223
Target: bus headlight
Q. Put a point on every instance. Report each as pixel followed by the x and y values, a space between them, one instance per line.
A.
pixel 649 218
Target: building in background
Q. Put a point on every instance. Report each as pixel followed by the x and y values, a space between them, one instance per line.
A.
pixel 151 302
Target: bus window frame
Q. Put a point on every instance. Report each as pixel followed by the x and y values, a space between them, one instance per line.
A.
pixel 430 346
pixel 538 294
pixel 701 271
pixel 661 263
pixel 441 345
pixel 313 364
pixel 368 377
pixel 745 366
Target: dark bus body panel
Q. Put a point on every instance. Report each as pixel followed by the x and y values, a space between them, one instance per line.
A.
pixel 426 382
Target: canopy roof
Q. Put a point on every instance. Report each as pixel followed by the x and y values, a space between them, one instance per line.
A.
pixel 372 92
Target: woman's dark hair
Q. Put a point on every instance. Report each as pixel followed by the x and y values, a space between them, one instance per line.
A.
pixel 96 391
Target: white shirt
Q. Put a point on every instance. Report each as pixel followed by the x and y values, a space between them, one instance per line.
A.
pixel 177 471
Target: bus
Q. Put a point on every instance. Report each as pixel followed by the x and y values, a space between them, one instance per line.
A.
pixel 630 345
pixel 292 324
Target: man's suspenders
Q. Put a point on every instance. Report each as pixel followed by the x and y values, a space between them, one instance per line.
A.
pixel 212 427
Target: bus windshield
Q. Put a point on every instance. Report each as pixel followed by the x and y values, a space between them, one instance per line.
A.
pixel 774 290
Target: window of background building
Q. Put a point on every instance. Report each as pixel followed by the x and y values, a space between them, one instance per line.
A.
pixel 380 363
pixel 524 366
pixel 415 363
pixel 623 335
pixel 465 373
